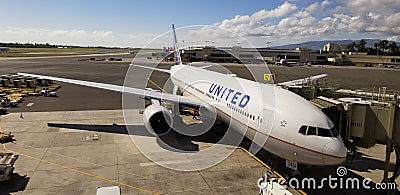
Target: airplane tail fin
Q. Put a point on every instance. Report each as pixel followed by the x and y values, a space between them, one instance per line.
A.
pixel 177 55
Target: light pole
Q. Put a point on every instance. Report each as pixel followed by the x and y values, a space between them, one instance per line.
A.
pixel 205 42
pixel 268 43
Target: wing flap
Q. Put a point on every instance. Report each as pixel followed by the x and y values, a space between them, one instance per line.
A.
pixel 151 68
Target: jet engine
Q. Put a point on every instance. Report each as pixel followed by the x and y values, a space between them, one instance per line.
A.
pixel 157 119
pixel 160 120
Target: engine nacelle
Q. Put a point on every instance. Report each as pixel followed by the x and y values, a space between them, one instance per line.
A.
pixel 157 119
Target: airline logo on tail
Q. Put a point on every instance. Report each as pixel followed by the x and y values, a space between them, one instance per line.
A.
pixel 177 54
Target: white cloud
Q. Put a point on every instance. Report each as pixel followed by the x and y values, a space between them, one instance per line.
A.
pixel 240 23
pixel 314 7
pixel 394 38
pixel 366 6
pixel 289 22
pixel 67 37
pixel 282 10
pixel 283 24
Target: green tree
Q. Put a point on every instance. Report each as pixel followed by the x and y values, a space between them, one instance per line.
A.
pixel 361 46
pixel 376 45
pixel 352 46
pixel 383 44
pixel 393 47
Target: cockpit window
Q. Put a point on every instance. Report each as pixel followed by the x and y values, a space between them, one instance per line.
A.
pixel 303 129
pixel 312 131
pixel 334 132
pixel 324 132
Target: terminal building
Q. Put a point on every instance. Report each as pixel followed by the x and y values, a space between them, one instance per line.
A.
pixel 332 54
pixel 237 54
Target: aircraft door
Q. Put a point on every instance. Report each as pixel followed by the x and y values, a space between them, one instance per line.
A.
pixel 265 127
pixel 266 121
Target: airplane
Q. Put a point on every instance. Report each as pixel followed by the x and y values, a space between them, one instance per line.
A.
pixel 274 118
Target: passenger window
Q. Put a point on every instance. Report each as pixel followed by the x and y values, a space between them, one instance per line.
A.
pixel 312 131
pixel 303 130
pixel 324 132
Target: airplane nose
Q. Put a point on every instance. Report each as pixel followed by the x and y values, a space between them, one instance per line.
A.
pixel 334 152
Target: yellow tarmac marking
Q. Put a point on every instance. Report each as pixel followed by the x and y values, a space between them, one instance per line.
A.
pixel 155 84
pixel 265 165
pixel 260 161
pixel 81 172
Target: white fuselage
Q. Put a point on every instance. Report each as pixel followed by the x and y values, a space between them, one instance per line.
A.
pixel 267 114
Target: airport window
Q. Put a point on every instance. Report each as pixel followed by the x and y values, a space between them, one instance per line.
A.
pixel 324 132
pixel 303 129
pixel 312 131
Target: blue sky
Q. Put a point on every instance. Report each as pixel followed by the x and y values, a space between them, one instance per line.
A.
pixel 134 23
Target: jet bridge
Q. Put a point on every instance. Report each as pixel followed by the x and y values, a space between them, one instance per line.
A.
pixel 368 120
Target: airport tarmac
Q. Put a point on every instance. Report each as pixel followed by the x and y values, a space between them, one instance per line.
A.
pixel 74 152
pixel 62 159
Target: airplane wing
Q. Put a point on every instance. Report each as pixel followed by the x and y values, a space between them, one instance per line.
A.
pixel 151 68
pixel 163 70
pixel 130 90
pixel 302 81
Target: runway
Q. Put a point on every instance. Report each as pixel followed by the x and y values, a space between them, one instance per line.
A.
pixel 74 97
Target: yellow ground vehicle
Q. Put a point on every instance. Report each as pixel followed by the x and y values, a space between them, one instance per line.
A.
pixel 6 137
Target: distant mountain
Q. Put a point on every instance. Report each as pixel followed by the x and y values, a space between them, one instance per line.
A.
pixel 317 45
